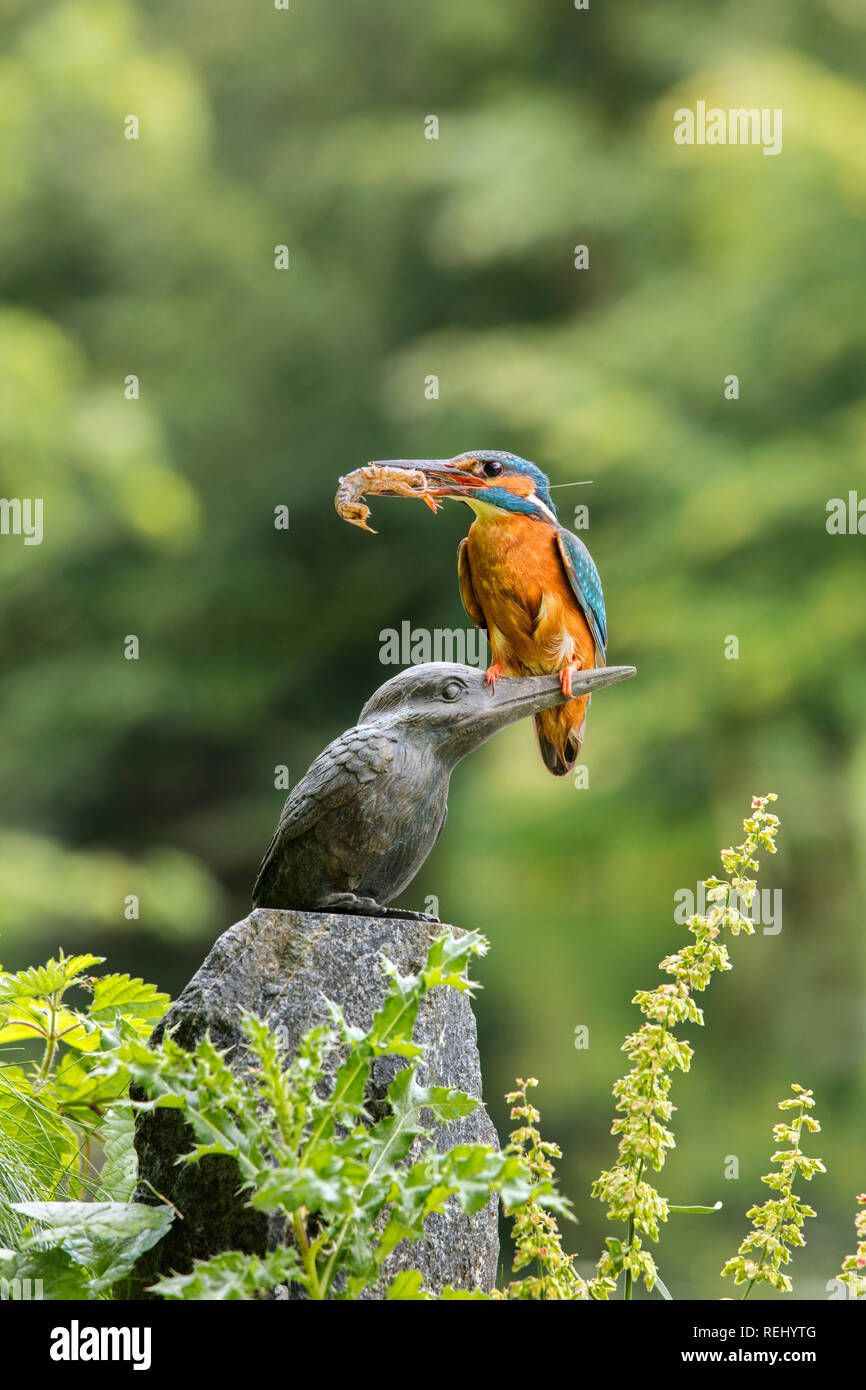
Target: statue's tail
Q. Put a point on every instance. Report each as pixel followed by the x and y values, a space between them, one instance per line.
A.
pixel 264 886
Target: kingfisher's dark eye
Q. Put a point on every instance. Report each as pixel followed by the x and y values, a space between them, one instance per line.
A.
pixel 452 690
pixel 492 468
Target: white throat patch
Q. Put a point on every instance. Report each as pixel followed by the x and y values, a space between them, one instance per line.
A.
pixel 542 507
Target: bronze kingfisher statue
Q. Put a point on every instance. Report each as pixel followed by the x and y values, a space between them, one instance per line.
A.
pixel 357 828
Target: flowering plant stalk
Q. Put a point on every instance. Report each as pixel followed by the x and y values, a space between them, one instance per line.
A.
pixel 655 1051
pixel 778 1223
pixel 535 1229
pixel 854 1266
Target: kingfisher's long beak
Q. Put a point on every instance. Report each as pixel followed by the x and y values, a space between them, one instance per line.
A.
pixel 515 697
pixel 448 479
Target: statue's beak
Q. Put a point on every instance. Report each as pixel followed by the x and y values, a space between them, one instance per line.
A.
pixel 447 478
pixel 515 697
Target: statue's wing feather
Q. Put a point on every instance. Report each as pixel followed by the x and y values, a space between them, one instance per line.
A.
pixel 356 757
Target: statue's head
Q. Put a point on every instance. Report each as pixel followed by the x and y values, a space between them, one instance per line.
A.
pixel 451 707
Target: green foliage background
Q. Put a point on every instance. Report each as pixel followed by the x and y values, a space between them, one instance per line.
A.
pixel 454 257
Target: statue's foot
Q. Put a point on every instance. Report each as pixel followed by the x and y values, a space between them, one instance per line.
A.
pixel 351 902
pixel 368 907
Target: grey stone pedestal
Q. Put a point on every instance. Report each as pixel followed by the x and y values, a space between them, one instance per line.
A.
pixel 282 965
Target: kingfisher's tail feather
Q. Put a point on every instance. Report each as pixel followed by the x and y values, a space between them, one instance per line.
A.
pixel 553 759
pixel 560 733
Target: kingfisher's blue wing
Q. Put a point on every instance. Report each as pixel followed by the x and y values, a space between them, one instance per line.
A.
pixel 584 579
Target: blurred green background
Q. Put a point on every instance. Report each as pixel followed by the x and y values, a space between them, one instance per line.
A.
pixel 410 258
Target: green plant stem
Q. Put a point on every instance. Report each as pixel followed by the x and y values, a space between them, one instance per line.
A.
pixel 50 1041
pixel 308 1260
pixel 631 1221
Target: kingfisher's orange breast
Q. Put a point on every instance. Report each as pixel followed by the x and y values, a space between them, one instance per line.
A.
pixel 534 621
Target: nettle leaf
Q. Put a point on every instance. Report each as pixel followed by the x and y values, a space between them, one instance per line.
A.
pixel 83 1090
pixel 40 981
pixel 24 1020
pixel 120 994
pixel 76 1031
pixel 104 1237
pixel 232 1276
pixel 119 1172
pixel 48 1274
pixel 29 1019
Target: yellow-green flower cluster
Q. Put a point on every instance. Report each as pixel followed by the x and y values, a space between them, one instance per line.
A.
pixel 777 1225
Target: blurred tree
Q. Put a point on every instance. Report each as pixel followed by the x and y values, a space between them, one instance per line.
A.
pixel 153 258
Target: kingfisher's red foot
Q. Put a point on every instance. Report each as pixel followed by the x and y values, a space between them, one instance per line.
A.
pixel 492 674
pixel 566 676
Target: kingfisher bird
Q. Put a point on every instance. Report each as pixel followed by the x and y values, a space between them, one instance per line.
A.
pixel 358 826
pixel 528 582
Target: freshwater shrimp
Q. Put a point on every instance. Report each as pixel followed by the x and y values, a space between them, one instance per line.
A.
pixel 383 482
